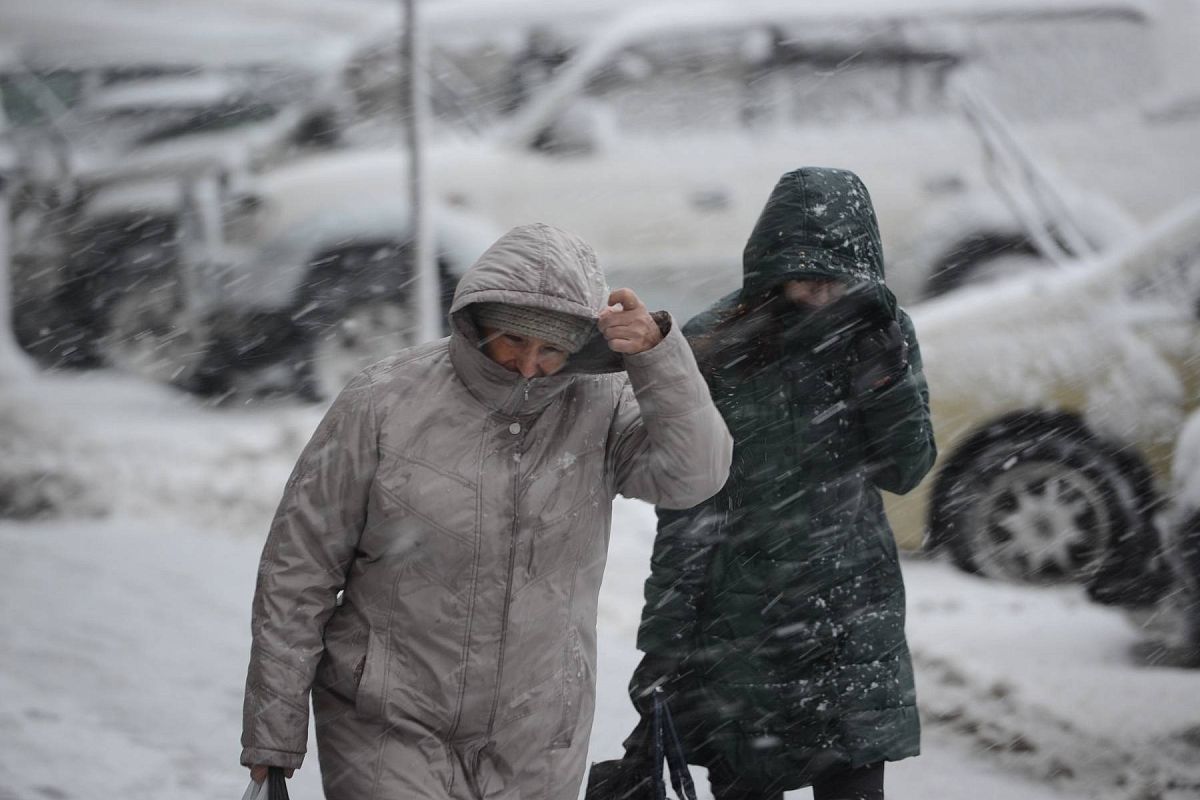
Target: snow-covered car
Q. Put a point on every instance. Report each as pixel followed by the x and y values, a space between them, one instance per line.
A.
pixel 658 140
pixel 1057 399
pixel 109 175
pixel 306 285
pixel 239 84
pixel 143 126
pixel 169 143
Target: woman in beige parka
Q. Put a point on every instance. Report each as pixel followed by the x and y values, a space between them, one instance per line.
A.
pixel 432 572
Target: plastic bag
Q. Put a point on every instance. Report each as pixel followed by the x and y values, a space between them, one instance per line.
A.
pixel 255 791
pixel 273 788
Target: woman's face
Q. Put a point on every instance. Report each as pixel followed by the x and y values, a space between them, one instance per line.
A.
pixel 533 358
pixel 813 292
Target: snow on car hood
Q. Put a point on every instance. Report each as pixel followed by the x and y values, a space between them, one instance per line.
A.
pixel 1109 335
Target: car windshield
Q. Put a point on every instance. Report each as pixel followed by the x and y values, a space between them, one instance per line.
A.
pixel 767 76
pixel 822 72
pixel 211 120
pixel 474 81
pixel 1065 65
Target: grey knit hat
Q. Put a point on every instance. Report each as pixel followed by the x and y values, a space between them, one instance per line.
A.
pixel 568 331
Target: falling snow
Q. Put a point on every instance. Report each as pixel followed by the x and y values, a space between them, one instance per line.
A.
pixel 201 251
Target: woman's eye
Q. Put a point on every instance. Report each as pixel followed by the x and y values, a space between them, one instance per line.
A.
pixel 513 339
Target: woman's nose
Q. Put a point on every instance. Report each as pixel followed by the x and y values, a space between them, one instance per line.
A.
pixel 527 364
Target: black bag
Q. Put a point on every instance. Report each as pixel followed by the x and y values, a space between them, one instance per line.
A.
pixel 639 775
pixel 276 784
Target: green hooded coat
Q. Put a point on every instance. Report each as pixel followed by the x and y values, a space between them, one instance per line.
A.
pixel 783 593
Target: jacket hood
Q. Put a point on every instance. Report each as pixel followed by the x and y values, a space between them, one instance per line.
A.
pixel 818 222
pixel 540 266
pixel 536 265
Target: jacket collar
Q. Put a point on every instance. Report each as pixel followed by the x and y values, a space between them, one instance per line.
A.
pixel 496 388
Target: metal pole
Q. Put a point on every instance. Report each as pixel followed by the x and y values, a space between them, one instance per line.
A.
pixel 14 363
pixel 425 298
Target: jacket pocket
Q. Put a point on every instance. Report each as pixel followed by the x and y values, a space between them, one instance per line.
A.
pixel 572 691
pixel 341 664
pixel 371 677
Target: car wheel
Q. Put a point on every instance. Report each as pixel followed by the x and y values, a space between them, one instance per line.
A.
pixel 151 333
pixel 367 332
pixel 1035 501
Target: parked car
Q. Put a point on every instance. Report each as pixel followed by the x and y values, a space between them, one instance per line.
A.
pixel 656 140
pixel 108 172
pixel 308 285
pixel 145 124
pixel 152 157
pixel 655 135
pixel 1057 399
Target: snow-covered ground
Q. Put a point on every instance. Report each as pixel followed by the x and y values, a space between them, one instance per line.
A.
pixel 125 636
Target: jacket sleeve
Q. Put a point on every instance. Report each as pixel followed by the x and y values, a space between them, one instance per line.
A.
pixel 304 564
pixel 668 443
pixel 897 427
pixel 683 549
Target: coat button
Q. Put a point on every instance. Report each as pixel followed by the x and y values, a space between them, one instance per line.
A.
pixel 515 428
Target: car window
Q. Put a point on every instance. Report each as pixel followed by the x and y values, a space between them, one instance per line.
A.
pixel 869 71
pixel 211 120
pixel 681 84
pixel 473 83
pixel 1063 66
pixel 768 77
pixel 24 95
pixel 473 86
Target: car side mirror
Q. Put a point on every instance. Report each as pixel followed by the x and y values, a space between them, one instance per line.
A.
pixel 578 131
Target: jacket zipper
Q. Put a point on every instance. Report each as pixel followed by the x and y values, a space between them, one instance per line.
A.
pixel 512 560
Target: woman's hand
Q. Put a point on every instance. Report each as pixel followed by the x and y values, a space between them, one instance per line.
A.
pixel 880 358
pixel 258 773
pixel 627 325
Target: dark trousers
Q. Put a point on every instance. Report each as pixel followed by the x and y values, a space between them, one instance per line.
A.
pixel 862 783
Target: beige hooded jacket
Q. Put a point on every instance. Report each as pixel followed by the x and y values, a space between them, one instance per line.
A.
pixel 464 513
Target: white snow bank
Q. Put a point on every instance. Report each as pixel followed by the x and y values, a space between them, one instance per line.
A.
pixel 37 478
pixel 1041 681
pixel 114 444
pixel 124 660
pixel 125 652
pixel 126 639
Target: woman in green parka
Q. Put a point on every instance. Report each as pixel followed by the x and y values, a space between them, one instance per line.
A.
pixel 774 616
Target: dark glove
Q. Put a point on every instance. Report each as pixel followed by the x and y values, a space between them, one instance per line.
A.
pixel 879 358
pixel 653 672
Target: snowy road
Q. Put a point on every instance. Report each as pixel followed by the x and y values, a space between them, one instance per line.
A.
pixel 126 638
